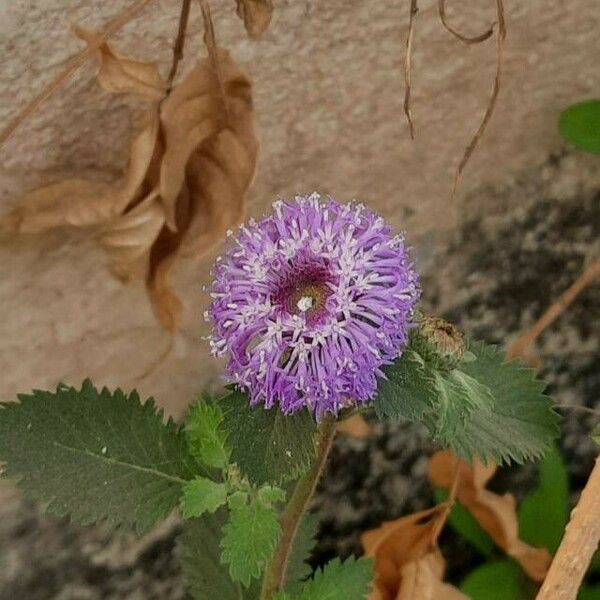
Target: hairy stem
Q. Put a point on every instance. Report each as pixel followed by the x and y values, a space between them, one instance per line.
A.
pixel 578 545
pixel 291 517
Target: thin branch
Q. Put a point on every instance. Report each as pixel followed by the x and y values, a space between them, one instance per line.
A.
pixel 213 53
pixel 500 39
pixel 414 9
pixel 179 42
pixel 73 64
pixel 463 38
pixel 521 345
pixel 275 574
pixel 579 543
pixel 578 407
pixel 447 504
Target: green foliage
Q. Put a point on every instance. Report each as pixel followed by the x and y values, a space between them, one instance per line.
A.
pixel 199 550
pixel 543 514
pixel 349 580
pixel 267 446
pixel 519 425
pixel 298 569
pixel 251 534
pixel 484 407
pixel 408 390
pixel 580 125
pixel 466 526
pixel 201 495
pixel 95 455
pixel 500 580
pixel 206 437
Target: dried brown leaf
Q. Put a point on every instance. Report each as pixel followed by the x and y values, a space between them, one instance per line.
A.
pixel 128 238
pixel 119 74
pixel 422 579
pixel 256 15
pixel 71 202
pixel 408 564
pixel 496 514
pixel 80 203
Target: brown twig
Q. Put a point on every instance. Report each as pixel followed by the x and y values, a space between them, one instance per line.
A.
pixel 276 572
pixel 578 407
pixel 179 42
pixel 578 545
pixel 414 9
pixel 73 64
pixel 211 46
pixel 463 38
pixel 520 347
pixel 500 38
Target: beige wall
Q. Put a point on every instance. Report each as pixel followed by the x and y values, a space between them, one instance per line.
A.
pixel 328 89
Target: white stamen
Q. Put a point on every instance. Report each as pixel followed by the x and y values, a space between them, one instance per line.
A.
pixel 305 303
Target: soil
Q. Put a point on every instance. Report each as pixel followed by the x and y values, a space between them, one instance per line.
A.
pixel 492 278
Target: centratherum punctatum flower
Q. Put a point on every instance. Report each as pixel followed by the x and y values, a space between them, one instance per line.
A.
pixel 310 302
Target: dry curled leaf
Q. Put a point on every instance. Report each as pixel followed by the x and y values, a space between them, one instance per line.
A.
pixel 256 15
pixel 495 513
pixel 186 182
pixel 119 74
pixel 128 238
pixel 408 564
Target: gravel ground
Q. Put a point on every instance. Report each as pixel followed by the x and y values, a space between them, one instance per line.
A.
pixel 493 279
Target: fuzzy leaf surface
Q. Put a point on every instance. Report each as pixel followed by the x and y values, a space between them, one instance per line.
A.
pixel 204 431
pixel 519 425
pixel 349 580
pixel 201 495
pixel 249 537
pixel 408 391
pixel 95 455
pixel 267 445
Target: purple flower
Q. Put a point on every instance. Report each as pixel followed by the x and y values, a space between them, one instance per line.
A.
pixel 310 302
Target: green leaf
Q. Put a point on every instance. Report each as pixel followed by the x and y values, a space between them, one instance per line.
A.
pixel 298 569
pixel 205 435
pixel 458 396
pixel 199 550
pixel 95 455
pixel 595 435
pixel 202 495
pixel 249 537
pixel 543 514
pixel 267 445
pixel 408 390
pixel 461 520
pixel 349 580
pixel 520 423
pixel 580 125
pixel 501 580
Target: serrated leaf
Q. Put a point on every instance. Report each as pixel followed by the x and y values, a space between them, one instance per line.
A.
pixel 267 445
pixel 205 435
pixel 543 514
pixel 199 551
pixel 349 580
pixel 520 423
pixel 202 495
pixel 457 396
pixel 249 537
pixel 298 569
pixel 95 455
pixel 408 390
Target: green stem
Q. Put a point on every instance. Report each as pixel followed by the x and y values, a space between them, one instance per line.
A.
pixel 275 574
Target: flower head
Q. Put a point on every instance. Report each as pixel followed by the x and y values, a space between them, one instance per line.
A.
pixel 310 302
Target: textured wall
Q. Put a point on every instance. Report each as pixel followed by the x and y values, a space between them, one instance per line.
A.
pixel 328 90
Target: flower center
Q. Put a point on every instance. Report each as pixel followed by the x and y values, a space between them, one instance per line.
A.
pixel 304 289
